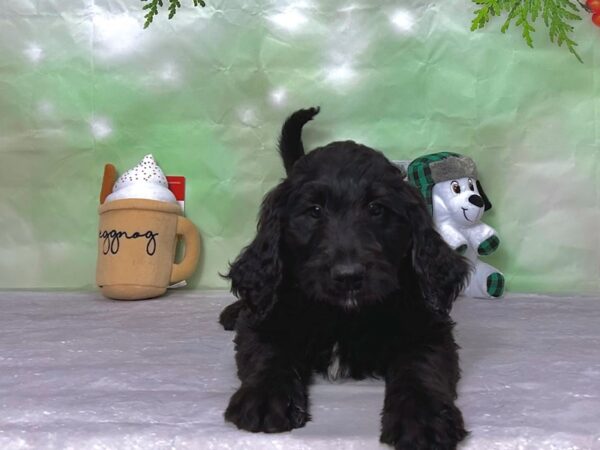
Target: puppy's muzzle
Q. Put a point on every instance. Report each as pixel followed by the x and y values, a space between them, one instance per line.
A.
pixel 349 276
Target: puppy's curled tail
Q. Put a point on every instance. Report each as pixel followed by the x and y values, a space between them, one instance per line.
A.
pixel 290 142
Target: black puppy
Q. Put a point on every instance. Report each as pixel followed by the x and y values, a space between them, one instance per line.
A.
pixel 346 277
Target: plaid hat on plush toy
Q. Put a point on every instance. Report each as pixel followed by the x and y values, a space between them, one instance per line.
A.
pixel 428 170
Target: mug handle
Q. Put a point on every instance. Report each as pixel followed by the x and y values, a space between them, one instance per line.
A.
pixel 191 239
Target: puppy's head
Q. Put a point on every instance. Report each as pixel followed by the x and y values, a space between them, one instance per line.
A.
pixel 461 200
pixel 345 229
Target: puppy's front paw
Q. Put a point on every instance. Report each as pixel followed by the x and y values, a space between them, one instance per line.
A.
pixel 229 315
pixel 270 409
pixel 428 425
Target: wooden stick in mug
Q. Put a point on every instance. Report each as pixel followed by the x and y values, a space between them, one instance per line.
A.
pixel 108 181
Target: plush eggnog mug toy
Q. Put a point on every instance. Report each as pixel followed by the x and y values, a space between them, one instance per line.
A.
pixel 140 225
pixel 450 186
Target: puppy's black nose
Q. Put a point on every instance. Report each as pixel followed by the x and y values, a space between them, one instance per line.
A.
pixel 476 200
pixel 350 275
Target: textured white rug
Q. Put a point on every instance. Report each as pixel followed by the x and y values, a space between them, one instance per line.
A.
pixel 78 371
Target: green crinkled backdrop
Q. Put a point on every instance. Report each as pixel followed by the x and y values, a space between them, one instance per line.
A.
pixel 82 84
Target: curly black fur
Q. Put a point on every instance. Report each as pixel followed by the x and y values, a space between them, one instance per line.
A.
pixel 290 141
pixel 346 277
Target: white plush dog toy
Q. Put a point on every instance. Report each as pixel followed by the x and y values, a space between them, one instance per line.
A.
pixel 448 182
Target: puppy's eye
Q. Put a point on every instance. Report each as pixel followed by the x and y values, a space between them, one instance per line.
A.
pixel 471 186
pixel 315 211
pixel 375 209
pixel 455 187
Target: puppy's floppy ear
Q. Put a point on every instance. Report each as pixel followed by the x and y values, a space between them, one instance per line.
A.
pixel 257 272
pixel 441 271
pixel 486 202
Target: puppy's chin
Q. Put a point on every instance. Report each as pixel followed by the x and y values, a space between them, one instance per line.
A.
pixel 351 300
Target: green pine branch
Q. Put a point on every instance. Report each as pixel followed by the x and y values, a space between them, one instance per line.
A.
pixel 152 7
pixel 556 15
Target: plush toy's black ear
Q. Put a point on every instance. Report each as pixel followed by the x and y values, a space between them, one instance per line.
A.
pixel 486 202
pixel 257 272
pixel 441 271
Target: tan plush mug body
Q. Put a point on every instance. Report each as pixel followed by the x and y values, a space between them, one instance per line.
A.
pixel 137 240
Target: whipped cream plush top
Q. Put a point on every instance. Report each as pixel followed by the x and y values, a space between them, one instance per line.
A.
pixel 146 180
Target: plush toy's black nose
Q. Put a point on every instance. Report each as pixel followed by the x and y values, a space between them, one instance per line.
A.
pixel 348 275
pixel 476 200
